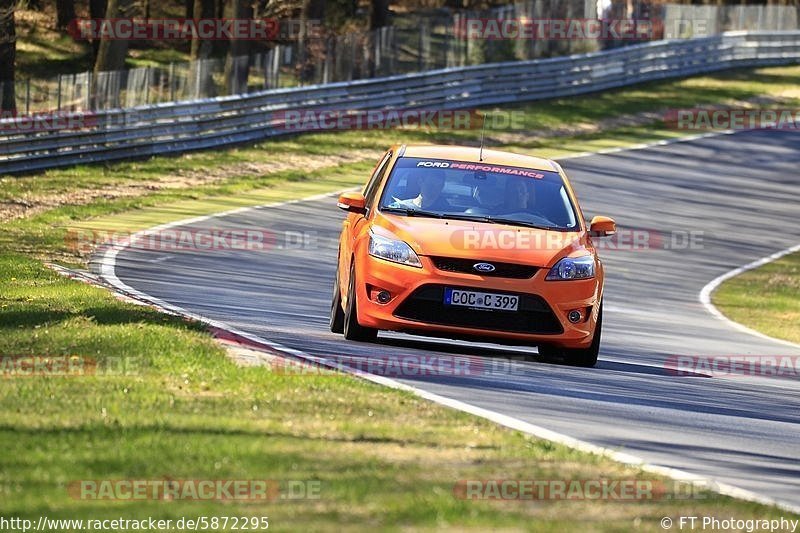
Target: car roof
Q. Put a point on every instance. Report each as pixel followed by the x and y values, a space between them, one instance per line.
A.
pixel 471 154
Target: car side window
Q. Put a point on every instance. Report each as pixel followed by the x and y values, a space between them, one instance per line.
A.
pixel 374 183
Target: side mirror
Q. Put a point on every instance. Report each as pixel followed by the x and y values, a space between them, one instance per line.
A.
pixel 353 202
pixel 602 227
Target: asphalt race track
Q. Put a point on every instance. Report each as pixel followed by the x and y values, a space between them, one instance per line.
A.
pixel 741 191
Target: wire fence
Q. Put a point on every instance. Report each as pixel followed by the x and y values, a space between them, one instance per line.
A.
pixel 414 43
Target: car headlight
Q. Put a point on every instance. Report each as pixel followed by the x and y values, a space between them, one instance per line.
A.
pixel 392 250
pixel 572 268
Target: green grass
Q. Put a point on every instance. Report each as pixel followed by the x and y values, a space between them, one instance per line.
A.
pixel 384 459
pixel 765 299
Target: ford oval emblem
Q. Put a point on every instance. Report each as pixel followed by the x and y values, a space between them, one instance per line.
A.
pixel 484 267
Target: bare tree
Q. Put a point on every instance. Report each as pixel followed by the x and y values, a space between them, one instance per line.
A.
pixel 97 10
pixel 199 76
pixel 111 55
pixel 8 51
pixel 236 62
pixel 112 52
pixel 65 13
pixel 378 14
pixel 378 18
pixel 308 45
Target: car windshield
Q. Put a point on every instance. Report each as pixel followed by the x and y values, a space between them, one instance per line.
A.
pixel 479 191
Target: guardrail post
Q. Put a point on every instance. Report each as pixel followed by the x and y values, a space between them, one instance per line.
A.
pixel 197 66
pixel 147 85
pixel 419 47
pixel 172 82
pixel 446 49
pixel 58 95
pixel 28 96
pixel 266 71
pixel 277 67
pixel 88 90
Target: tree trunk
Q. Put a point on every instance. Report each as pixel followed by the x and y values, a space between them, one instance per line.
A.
pixel 313 10
pixel 65 13
pixel 378 14
pixel 378 18
pixel 97 10
pixel 8 51
pixel 200 80
pixel 236 68
pixel 112 53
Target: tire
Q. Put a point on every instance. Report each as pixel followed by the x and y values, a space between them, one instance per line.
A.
pixel 353 331
pixel 337 313
pixel 583 357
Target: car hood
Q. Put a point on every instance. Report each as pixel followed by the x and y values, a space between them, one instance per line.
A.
pixel 480 240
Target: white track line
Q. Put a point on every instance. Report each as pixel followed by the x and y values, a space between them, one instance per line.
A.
pixel 705 293
pixel 642 146
pixel 108 272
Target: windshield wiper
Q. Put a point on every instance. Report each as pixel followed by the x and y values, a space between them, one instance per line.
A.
pixel 472 218
pixel 514 222
pixel 412 212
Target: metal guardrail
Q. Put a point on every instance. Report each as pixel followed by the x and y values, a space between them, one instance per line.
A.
pixel 194 125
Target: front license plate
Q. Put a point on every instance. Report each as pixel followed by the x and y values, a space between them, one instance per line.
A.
pixel 481 300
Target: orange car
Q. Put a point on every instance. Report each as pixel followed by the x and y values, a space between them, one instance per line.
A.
pixel 471 244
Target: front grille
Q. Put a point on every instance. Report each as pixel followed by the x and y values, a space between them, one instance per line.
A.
pixel 502 270
pixel 426 304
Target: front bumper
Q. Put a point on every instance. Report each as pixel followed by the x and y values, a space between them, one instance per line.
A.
pixel 416 304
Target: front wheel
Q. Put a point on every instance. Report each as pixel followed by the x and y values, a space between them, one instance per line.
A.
pixel 584 357
pixel 353 331
pixel 337 313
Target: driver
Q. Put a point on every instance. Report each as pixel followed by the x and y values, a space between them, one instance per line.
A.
pixel 431 185
pixel 519 196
